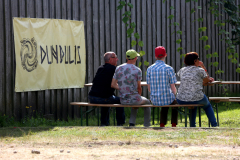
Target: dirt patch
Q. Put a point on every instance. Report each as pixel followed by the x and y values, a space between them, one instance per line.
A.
pixel 117 150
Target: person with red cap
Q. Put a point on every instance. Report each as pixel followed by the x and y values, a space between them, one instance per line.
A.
pixel 161 81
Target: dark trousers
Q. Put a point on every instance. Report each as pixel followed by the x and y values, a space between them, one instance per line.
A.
pixel 164 115
pixel 120 114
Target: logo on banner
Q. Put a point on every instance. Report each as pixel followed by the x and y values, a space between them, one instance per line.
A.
pixel 28 54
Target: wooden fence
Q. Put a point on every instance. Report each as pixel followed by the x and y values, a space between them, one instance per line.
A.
pixel 105 31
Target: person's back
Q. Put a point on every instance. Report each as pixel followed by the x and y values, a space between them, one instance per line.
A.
pixel 128 75
pixel 161 81
pixel 162 75
pixel 127 79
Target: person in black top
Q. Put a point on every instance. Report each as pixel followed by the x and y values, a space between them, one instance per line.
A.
pixel 102 93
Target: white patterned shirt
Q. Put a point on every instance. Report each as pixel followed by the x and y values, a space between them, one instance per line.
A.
pixel 128 75
pixel 159 77
pixel 191 87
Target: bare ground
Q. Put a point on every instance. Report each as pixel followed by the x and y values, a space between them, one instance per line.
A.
pixel 113 150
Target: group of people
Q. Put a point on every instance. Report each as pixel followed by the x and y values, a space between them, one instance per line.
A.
pixel 161 79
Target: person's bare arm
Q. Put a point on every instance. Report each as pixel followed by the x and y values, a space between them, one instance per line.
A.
pixel 149 90
pixel 114 84
pixel 208 78
pixel 139 88
pixel 173 88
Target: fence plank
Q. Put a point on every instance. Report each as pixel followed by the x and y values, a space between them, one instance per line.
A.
pixel 168 31
pixel 177 28
pixel 16 95
pixel 64 95
pixel 184 30
pixel 173 36
pixel 144 39
pixel 84 91
pixel 40 94
pixel 149 34
pixel 118 33
pixel 154 33
pixel 76 91
pixel 70 90
pixel 2 61
pixel 8 51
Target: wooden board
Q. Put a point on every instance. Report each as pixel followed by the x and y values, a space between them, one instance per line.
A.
pixel 140 106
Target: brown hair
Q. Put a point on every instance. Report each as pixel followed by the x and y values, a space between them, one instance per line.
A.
pixel 190 58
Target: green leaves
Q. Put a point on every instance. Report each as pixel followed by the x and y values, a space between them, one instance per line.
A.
pixel 133 25
pixel 182 55
pixel 238 70
pixel 207 47
pixel 215 54
pixel 202 29
pixel 129 32
pixel 179 32
pixel 179 49
pixel 146 63
pixel 209 55
pixel 235 55
pixel 136 35
pixel 133 43
pixel 125 19
pixel 219 71
pixel 139 64
pixel 200 19
pixel 176 24
pixel 192 10
pixel 178 41
pixel 130 5
pixel 142 53
pixel 170 17
pixel 122 3
pixel 140 43
pixel 234 60
pixel 204 38
pixel 215 64
pixel 171 7
pixel 230 56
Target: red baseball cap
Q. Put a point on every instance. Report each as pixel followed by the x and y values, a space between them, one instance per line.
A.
pixel 160 52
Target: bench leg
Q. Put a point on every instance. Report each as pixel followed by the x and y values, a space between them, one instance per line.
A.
pixel 185 110
pixel 98 116
pixel 200 122
pixel 81 115
pixel 153 115
pixel 87 116
pixel 217 115
pixel 114 113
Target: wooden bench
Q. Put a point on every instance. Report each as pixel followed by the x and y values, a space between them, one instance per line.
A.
pixel 217 100
pixel 185 113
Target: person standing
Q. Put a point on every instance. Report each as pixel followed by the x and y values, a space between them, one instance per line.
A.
pixel 102 93
pixel 127 79
pixel 161 81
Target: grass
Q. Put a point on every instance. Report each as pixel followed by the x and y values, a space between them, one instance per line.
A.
pixel 229 116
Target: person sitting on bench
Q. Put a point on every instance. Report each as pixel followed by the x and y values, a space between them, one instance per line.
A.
pixel 127 79
pixel 191 87
pixel 102 93
pixel 161 81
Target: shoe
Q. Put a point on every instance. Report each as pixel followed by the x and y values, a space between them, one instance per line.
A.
pixel 162 125
pixel 131 124
pixel 174 125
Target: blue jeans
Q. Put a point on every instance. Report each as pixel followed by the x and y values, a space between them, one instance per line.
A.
pixel 120 114
pixel 207 108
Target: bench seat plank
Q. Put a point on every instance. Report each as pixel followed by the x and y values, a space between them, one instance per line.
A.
pixel 121 105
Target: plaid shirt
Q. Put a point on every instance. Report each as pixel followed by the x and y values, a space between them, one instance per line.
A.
pixel 159 77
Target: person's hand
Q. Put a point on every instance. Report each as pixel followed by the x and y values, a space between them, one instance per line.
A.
pixel 201 64
pixel 211 79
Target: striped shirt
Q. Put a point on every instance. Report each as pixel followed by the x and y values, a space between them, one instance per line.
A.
pixel 159 77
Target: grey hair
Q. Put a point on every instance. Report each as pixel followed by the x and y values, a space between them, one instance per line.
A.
pixel 107 56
